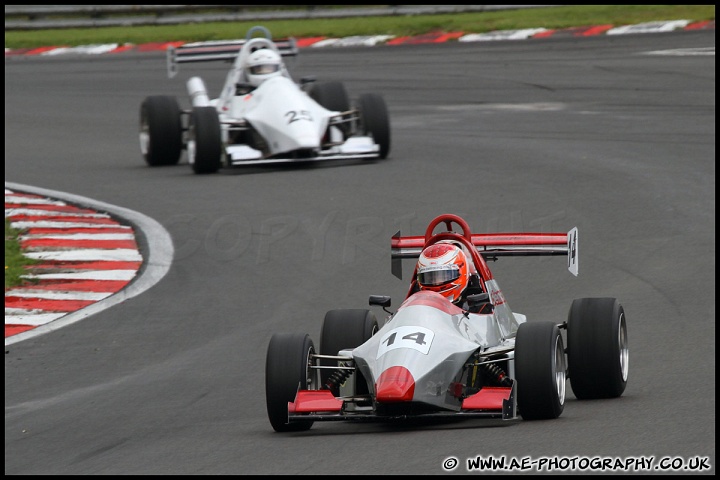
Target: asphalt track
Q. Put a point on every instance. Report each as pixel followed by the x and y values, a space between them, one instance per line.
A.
pixel 601 133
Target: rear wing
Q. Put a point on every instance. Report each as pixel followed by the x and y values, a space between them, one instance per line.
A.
pixel 220 50
pixel 494 245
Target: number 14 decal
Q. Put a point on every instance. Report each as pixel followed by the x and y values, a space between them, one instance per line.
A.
pixel 417 338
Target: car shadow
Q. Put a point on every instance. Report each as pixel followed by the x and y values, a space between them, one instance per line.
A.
pixel 295 166
pixel 360 427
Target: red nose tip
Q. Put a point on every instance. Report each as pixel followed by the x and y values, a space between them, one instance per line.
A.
pixel 395 384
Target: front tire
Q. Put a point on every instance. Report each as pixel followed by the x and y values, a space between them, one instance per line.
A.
pixel 205 153
pixel 598 353
pixel 375 121
pixel 346 329
pixel 331 95
pixel 287 369
pixel 540 370
pixel 161 140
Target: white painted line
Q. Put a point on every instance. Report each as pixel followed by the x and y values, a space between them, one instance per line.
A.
pixel 84 49
pixel 22 225
pixel 57 295
pixel 79 236
pixel 359 41
pixel 327 42
pixel 684 52
pixel 35 319
pixel 31 200
pixel 649 27
pixel 89 275
pixel 502 35
pixel 23 311
pixel 88 254
pixel 519 107
pixel 11 212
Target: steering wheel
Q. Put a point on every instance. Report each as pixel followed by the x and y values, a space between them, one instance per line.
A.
pixel 448 219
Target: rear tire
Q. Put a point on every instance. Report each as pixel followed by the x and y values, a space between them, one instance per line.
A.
pixel 346 329
pixel 598 354
pixel 287 369
pixel 375 121
pixel 540 370
pixel 205 154
pixel 161 140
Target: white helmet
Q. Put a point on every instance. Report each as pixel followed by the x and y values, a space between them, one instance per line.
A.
pixel 261 65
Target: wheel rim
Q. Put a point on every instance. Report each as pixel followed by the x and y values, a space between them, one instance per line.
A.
pixel 310 381
pixel 624 351
pixel 559 367
pixel 191 151
pixel 144 137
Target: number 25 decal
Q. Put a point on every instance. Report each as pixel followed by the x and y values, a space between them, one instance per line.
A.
pixel 417 338
pixel 295 115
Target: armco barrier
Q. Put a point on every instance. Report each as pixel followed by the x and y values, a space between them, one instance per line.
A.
pixel 39 17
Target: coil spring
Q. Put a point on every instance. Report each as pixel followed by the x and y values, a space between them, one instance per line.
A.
pixel 497 373
pixel 337 378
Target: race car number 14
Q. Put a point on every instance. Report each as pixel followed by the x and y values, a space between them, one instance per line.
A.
pixel 417 338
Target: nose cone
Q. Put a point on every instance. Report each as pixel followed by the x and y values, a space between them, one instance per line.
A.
pixel 304 134
pixel 394 385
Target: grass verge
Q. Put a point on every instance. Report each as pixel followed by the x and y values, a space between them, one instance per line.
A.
pixel 480 22
pixel 15 261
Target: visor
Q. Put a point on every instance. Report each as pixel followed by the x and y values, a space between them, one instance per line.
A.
pixel 264 69
pixel 434 276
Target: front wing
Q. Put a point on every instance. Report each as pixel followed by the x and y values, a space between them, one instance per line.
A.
pixel 354 148
pixel 321 405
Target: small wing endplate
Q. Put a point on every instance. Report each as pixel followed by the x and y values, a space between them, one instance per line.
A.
pixel 572 254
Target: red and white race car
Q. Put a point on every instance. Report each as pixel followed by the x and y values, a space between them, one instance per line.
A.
pixel 437 358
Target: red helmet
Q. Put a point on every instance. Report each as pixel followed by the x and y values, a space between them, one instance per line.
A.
pixel 443 268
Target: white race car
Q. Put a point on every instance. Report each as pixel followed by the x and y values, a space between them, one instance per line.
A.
pixel 262 115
